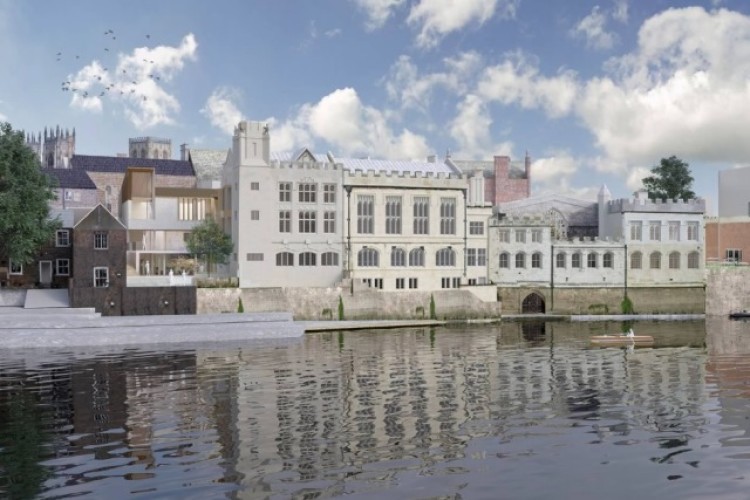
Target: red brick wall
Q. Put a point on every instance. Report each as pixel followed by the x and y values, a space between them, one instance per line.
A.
pixel 507 189
pixel 727 235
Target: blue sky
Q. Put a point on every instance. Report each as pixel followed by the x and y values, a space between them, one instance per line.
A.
pixel 596 91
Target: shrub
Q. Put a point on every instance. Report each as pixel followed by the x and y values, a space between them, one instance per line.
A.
pixel 327 313
pixel 419 311
pixel 627 305
pixel 341 309
pixel 240 307
pixel 432 307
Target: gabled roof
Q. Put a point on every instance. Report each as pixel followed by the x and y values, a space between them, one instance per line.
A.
pixel 576 211
pixel 406 166
pixel 208 163
pixel 99 218
pixel 70 179
pixel 122 163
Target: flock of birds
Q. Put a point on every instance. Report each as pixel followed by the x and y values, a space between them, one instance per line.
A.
pixel 126 87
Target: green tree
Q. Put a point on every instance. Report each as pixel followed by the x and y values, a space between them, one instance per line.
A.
pixel 209 241
pixel 25 193
pixel 670 180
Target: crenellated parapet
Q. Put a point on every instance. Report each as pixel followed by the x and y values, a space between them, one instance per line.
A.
pixel 695 205
pixel 373 174
pixel 306 165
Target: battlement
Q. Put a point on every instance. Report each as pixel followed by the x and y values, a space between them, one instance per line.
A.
pixel 589 242
pixel 157 140
pixel 317 165
pixel 373 174
pixel 693 206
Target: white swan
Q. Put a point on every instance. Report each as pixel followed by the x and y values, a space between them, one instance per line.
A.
pixel 630 333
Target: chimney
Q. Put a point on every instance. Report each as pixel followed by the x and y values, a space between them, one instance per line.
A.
pixel 184 152
pixel 431 159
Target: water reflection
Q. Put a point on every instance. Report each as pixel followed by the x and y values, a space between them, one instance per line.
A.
pixel 479 412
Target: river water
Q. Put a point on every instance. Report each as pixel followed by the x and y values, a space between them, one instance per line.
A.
pixel 515 410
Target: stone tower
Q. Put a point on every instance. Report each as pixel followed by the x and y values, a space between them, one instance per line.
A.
pixel 150 147
pixel 54 148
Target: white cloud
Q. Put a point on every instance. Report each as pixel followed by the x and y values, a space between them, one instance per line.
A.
pixel 551 168
pixel 137 82
pixel 684 91
pixel 471 129
pixel 516 80
pixel 438 18
pixel 332 33
pixel 620 11
pixel 635 177
pixel 412 90
pixel 352 128
pixel 221 110
pixel 378 11
pixel 593 29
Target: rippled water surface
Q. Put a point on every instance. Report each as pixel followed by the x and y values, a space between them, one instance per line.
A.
pixel 502 411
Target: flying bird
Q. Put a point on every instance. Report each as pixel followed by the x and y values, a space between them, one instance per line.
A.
pixel 148 36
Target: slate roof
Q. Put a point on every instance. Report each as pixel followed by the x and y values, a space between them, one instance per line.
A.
pixel 122 163
pixel 70 179
pixel 208 163
pixel 373 165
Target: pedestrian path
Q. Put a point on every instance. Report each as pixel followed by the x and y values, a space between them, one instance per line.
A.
pixel 46 298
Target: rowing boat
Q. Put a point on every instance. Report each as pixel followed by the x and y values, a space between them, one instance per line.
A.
pixel 639 340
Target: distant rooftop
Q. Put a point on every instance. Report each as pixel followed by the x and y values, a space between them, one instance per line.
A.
pixel 69 178
pixel 121 164
pixel 208 163
pixel 370 164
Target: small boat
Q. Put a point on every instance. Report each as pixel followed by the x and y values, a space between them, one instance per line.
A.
pixel 744 314
pixel 623 340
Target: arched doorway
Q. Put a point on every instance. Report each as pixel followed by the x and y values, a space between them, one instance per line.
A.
pixel 533 304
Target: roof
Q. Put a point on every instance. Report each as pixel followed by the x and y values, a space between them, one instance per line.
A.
pixel 70 179
pixel 406 166
pixel 208 163
pixel 99 218
pixel 122 163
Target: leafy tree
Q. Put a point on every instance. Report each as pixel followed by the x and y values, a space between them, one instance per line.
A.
pixel 670 180
pixel 209 241
pixel 25 193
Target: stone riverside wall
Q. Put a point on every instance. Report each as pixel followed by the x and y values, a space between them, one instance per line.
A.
pixel 136 301
pixel 646 300
pixel 728 290
pixel 323 303
pixel 12 297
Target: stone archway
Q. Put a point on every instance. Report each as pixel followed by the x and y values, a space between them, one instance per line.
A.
pixel 533 304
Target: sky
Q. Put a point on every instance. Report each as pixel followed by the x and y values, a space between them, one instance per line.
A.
pixel 596 92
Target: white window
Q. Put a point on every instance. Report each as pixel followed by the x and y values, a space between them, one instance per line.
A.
pixel 520 260
pixel 399 283
pixel 421 215
pixel 447 216
pixel 445 283
pixel 654 231
pixel 733 255
pixel 62 238
pixel 413 282
pixel 191 208
pixel 591 260
pixel 398 257
pixel 608 260
pixel 520 236
pixel 481 256
pixel 255 257
pixel 636 231
pixel 365 214
pixel 504 260
pixel 15 268
pixel 329 193
pixel 393 215
pixel 62 267
pixel 101 240
pixel 378 283
pixel 560 259
pixel 101 277
pixel 445 257
pixel 255 186
pixel 329 222
pixel 285 221
pixel 674 260
pixel 536 260
pixel 368 257
pixel 575 260
pixel 674 230
pixel 536 235
pixel 692 231
pixel 655 260
pixel 504 236
pixel 693 260
pixel 471 256
pixel 307 219
pixel 329 259
pixel 636 260
pixel 254 214
pixel 308 192
pixel 416 257
pixel 285 191
pixel 307 259
pixel 476 227
pixel 285 259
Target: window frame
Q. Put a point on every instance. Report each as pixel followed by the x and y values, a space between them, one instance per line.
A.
pixel 393 214
pixel 398 257
pixel 416 257
pixel 328 259
pixel 66 242
pixel 329 193
pixel 365 214
pixel 636 260
pixel 445 257
pixel 368 257
pixel 59 265
pixel 307 259
pixel 421 215
pixel 307 192
pixel 285 192
pixel 285 221
pixel 284 259
pixel 104 279
pixel 307 221
pixel 101 240
pixel 447 215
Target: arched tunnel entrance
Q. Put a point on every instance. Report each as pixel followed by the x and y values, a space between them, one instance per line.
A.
pixel 533 304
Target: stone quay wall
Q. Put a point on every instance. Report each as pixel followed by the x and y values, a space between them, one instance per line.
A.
pixel 323 303
pixel 728 290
